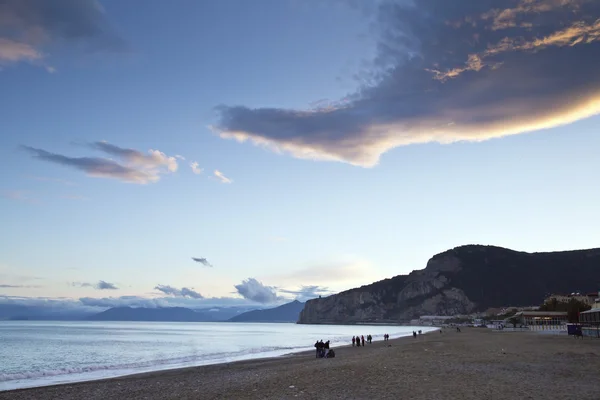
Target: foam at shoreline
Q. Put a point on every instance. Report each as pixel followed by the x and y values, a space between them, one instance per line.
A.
pixel 32 379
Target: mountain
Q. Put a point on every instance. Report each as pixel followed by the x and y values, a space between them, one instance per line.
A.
pixel 463 280
pixel 18 312
pixel 167 314
pixel 286 313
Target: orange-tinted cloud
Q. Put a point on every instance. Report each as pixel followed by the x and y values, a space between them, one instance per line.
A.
pixel 461 70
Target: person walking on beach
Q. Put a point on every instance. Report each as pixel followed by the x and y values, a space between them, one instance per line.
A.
pixel 362 338
pixel 317 349
pixel 353 341
pixel 357 341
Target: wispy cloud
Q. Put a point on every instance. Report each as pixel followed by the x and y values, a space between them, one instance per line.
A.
pixel 219 175
pixel 253 290
pixel 100 285
pixel 195 168
pixel 202 261
pixel 153 160
pixel 446 71
pixel 183 292
pixel 344 271
pixel 12 52
pixel 137 167
pixel 29 27
pixel 94 304
pixel 7 286
pixel 19 195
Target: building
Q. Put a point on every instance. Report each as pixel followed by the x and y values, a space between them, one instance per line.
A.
pixel 542 320
pixel 433 320
pixel 587 299
pixel 590 320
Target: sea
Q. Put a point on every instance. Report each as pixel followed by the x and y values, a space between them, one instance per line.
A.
pixel 40 353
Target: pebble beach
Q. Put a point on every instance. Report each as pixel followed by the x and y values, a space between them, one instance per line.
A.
pixel 474 364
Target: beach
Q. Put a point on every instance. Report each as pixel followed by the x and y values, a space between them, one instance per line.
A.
pixel 474 364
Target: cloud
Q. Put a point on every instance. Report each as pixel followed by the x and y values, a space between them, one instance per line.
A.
pixel 446 71
pixel 99 304
pixel 100 285
pixel 152 161
pixel 222 177
pixel 253 290
pixel 345 272
pixel 4 286
pixel 18 195
pixel 308 292
pixel 137 167
pixel 182 158
pixel 195 169
pixel 27 27
pixel 11 51
pixel 183 292
pixel 202 261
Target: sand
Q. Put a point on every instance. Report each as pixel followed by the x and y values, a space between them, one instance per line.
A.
pixel 475 364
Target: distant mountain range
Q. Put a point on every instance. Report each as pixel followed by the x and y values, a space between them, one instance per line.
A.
pixel 462 280
pixel 285 313
pixel 170 314
pixel 289 312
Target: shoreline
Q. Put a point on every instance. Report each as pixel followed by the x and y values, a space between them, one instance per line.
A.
pixel 476 363
pixel 304 351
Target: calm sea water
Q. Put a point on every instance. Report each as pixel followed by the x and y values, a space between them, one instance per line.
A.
pixel 36 353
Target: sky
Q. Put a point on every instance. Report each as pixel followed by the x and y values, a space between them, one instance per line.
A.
pixel 222 153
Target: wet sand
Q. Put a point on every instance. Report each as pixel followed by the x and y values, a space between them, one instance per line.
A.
pixel 475 364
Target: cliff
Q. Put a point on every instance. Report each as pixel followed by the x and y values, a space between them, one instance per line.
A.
pixel 460 281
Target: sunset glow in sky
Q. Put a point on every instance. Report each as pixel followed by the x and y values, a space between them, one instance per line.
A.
pixel 207 153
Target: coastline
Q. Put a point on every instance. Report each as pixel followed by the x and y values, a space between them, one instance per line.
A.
pixel 102 374
pixel 469 365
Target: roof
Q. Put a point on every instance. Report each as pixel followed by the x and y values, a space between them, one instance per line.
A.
pixel 593 310
pixel 542 313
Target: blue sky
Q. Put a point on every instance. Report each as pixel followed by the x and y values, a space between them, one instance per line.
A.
pixel 338 167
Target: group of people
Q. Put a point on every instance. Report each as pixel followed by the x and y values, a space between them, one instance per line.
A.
pixel 323 350
pixel 415 333
pixel 386 337
pixel 357 340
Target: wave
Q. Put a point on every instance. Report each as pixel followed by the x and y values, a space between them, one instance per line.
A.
pixel 166 363
pixel 72 374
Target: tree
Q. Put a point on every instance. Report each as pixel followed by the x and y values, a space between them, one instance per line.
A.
pixel 514 320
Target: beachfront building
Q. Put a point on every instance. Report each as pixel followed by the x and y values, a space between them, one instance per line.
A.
pixel 542 320
pixel 590 320
pixel 586 298
pixel 433 320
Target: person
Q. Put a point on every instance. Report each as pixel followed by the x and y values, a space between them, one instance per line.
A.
pixel 362 338
pixel 353 341
pixel 317 349
pixel 357 341
pixel 457 329
pixel 327 345
pixel 414 334
pixel 370 338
